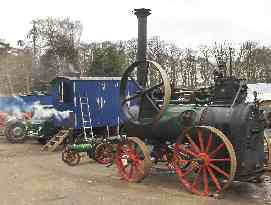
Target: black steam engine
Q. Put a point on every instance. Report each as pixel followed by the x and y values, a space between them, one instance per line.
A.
pixel 209 136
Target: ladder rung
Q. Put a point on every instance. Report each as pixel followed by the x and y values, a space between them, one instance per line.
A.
pixel 84 102
pixel 86 120
pixel 85 115
pixel 87 125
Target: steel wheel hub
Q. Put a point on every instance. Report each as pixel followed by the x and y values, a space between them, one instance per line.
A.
pixel 204 159
pixel 17 131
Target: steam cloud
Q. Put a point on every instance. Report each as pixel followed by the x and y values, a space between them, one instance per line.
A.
pixel 19 109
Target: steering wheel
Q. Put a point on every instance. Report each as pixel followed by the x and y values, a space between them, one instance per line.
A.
pixel 137 100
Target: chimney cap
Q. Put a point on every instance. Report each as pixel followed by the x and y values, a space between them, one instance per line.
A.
pixel 142 12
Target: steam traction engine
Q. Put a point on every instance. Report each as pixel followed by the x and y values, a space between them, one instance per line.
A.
pixel 211 137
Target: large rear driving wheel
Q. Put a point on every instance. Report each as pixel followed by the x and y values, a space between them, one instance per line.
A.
pixel 205 160
pixel 267 150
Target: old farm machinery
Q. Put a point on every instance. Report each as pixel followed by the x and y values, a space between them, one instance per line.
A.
pixel 210 145
pixel 98 148
pixel 210 136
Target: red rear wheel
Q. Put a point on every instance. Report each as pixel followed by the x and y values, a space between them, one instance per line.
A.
pixel 267 150
pixel 205 160
pixel 133 160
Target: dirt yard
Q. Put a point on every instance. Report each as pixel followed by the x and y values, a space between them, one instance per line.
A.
pixel 29 176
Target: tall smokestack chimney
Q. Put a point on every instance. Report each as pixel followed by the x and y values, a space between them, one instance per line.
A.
pixel 142 42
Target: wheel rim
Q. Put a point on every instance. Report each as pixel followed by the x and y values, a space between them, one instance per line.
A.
pixel 70 157
pixel 17 131
pixel 209 164
pixel 132 160
pixel 104 153
pixel 267 150
pixel 143 94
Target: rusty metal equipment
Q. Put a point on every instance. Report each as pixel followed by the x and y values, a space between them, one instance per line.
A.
pixel 99 149
pixel 210 136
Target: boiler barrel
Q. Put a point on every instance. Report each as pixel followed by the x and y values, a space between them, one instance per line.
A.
pixel 171 124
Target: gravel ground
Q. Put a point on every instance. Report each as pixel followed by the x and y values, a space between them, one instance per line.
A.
pixel 29 176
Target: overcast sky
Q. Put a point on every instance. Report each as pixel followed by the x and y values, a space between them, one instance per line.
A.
pixel 185 22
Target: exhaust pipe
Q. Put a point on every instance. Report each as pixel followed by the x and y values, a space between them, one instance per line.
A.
pixel 142 43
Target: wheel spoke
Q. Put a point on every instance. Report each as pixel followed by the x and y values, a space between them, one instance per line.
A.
pixel 220 171
pixel 189 170
pixel 131 98
pixel 188 151
pixel 217 149
pixel 209 144
pixel 153 104
pixel 196 179
pixel 180 159
pixel 131 171
pixel 205 181
pixel 183 161
pixel 194 146
pixel 200 137
pixel 136 83
pixel 214 179
pixel 152 88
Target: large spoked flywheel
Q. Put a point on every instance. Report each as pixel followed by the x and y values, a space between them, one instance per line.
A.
pixel 144 100
pixel 205 160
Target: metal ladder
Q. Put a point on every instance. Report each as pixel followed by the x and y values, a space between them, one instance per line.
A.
pixel 85 114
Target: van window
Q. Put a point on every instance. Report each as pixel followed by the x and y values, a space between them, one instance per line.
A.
pixel 65 92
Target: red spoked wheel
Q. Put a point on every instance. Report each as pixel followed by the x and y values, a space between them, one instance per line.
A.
pixel 71 158
pixel 133 159
pixel 267 151
pixel 205 160
pixel 104 153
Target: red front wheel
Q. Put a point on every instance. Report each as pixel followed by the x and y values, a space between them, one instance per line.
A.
pixel 205 160
pixel 133 159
